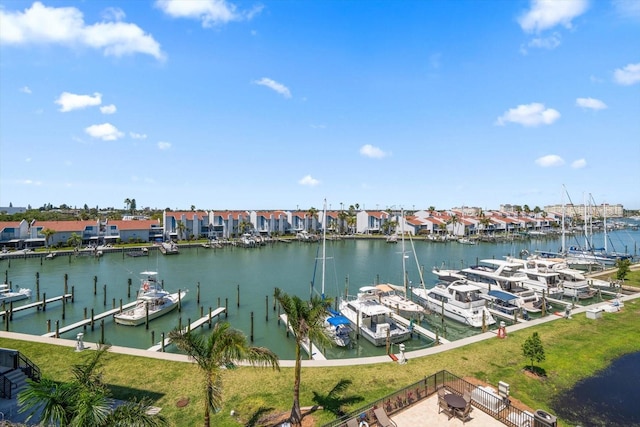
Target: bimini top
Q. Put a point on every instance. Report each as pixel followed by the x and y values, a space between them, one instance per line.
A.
pixel 337 320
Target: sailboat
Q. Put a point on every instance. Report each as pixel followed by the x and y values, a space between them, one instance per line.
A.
pixel 336 326
pixel 396 297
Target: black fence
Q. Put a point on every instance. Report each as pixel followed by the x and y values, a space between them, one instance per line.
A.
pixel 482 398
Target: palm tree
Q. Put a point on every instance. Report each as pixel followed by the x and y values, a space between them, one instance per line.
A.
pixel 181 227
pixel 74 240
pixel 47 233
pixel 224 347
pixel 306 320
pixel 312 214
pixel 84 401
pixel 127 202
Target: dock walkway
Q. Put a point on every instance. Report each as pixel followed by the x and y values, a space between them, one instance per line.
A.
pixel 89 320
pixel 194 325
pixel 315 352
pixel 36 304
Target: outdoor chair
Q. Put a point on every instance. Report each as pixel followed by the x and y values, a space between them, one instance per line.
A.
pixel 443 406
pixel 383 418
pixel 464 414
pixel 353 422
pixel 467 396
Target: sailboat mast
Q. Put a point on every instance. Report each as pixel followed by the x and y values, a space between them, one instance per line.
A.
pixel 404 264
pixel 324 242
pixel 563 220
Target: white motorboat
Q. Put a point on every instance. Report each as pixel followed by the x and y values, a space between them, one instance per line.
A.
pixel 338 328
pixel 7 294
pixel 578 290
pixel 373 320
pixel 503 301
pixel 152 302
pixel 447 274
pixel 459 301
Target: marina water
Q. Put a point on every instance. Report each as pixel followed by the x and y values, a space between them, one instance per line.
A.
pixel 244 279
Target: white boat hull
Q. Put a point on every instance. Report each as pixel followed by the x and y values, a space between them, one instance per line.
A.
pixel 138 315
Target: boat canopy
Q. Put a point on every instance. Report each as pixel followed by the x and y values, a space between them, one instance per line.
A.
pixel 504 296
pixel 337 320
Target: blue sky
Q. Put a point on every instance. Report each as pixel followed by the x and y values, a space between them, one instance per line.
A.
pixel 281 104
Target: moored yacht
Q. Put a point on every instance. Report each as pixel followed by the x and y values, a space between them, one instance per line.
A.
pixel 152 302
pixel 7 294
pixel 373 320
pixel 460 301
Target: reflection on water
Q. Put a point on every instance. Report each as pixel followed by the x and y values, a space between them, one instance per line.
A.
pixel 242 280
pixel 607 399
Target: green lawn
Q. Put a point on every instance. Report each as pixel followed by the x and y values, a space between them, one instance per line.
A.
pixel 575 349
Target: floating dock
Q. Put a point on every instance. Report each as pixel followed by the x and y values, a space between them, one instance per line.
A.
pixel 194 325
pixel 315 353
pixel 89 320
pixel 37 304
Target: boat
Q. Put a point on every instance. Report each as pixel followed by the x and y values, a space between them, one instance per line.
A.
pixel 138 252
pixel 396 297
pixel 460 301
pixel 152 302
pixel 169 248
pixel 447 274
pixel 392 238
pixel 503 301
pixel 7 295
pixel 336 326
pixel 372 319
pixel 578 290
pixel 466 241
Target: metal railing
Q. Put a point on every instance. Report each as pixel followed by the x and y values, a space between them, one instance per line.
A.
pixel 481 398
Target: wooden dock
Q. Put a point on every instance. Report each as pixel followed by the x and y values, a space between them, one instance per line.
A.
pixel 194 325
pixel 418 329
pixel 89 320
pixel 315 353
pixel 37 304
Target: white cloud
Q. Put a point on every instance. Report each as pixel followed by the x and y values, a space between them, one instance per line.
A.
pixel 25 89
pixel 628 75
pixel 40 24
pixel 551 42
pixel 369 150
pixel 592 103
pixel 104 131
pixel 209 12
pixel 579 164
pixel 108 109
pixel 272 84
pixel 627 8
pixel 163 145
pixel 550 161
pixel 70 101
pixel 309 180
pixel 113 14
pixel 135 135
pixel 545 14
pixel 533 114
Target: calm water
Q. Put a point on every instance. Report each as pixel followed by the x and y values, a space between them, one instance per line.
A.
pixel 607 399
pixel 256 272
